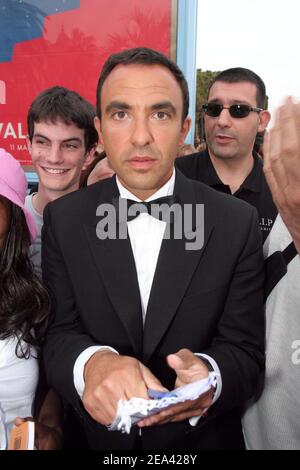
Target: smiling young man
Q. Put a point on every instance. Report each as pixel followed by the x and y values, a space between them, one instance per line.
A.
pixel 61 140
pixel 144 312
pixel 233 116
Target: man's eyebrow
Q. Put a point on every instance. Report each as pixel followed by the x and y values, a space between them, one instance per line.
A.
pixel 41 136
pixel 218 100
pixel 163 105
pixel 70 139
pixel 117 105
pixel 243 101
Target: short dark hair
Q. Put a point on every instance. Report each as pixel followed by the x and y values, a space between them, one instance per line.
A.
pixel 240 74
pixel 68 106
pixel 143 56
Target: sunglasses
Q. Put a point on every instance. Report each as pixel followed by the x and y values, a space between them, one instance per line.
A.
pixel 235 110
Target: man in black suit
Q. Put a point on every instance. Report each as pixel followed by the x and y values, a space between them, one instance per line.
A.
pixel 150 309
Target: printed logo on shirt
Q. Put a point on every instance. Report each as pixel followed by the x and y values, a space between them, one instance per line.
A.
pixel 265 224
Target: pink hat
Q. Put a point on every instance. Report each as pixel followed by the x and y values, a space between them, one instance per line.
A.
pixel 13 186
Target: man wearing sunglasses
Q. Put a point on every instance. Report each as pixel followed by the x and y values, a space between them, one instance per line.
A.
pixel 233 116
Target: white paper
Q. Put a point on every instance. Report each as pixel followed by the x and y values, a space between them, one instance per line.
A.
pixel 129 412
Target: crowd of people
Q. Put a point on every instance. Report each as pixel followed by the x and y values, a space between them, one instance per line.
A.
pixel 96 306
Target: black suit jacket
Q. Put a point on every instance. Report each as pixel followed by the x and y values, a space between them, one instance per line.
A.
pixel 209 300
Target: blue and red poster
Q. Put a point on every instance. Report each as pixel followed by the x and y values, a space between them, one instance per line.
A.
pixel 65 42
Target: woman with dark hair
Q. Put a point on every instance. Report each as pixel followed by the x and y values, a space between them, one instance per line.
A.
pixel 24 302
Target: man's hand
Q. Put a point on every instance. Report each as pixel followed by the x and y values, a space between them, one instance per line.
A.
pixel 188 368
pixel 108 378
pixel 282 165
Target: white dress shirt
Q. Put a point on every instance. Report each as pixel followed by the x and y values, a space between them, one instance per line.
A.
pixel 144 231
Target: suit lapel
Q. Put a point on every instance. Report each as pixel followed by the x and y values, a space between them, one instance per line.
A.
pixel 174 271
pixel 115 263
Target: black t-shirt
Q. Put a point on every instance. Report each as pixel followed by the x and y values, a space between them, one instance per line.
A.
pixel 254 189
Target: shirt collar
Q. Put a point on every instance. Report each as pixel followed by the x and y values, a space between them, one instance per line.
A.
pixel 252 181
pixel 166 190
pixel 212 178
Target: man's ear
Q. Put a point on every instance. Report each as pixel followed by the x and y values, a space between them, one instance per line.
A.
pixel 185 129
pixel 97 124
pixel 264 119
